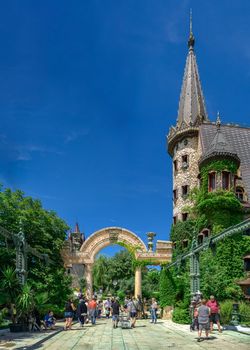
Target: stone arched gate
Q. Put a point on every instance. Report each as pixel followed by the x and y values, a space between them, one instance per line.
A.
pixel 84 254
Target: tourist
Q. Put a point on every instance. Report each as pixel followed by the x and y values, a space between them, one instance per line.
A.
pixel 87 316
pixel 107 305
pixel 115 307
pixel 68 314
pixel 203 319
pixel 194 315
pixel 49 320
pixel 215 313
pixel 132 307
pixel 144 308
pixel 92 308
pixel 81 312
pixel 139 307
pixel 154 308
pixel 99 309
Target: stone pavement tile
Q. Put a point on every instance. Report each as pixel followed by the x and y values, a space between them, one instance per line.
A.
pixel 164 335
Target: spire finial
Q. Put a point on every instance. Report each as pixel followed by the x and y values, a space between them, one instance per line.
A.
pixel 191 36
pixel 218 121
pixel 190 22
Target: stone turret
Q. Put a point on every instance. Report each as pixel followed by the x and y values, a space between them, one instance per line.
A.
pixel 220 149
pixel 182 140
pixel 76 239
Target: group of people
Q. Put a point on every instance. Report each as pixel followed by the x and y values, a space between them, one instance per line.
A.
pixel 205 314
pixel 89 310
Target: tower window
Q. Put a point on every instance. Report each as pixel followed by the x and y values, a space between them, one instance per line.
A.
pixel 185 243
pixel 174 220
pixel 175 165
pixel 175 195
pixel 239 193
pixel 184 190
pixel 205 233
pixel 184 162
pixel 184 216
pixel 225 180
pixel 211 182
pixel 200 238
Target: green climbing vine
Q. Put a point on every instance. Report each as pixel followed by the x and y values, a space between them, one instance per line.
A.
pixel 135 262
pixel 218 166
pixel 216 211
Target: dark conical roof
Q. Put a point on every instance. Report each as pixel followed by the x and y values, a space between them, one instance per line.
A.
pixel 192 110
pixel 192 107
pixel 219 148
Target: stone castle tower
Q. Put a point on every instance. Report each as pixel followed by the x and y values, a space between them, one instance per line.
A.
pixel 194 141
pixel 183 138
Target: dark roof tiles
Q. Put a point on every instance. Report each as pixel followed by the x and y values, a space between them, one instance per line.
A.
pixel 239 138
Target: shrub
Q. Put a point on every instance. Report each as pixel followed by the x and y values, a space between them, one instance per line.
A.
pixel 244 309
pixel 167 288
pixel 181 315
pixel 3 314
pixel 226 308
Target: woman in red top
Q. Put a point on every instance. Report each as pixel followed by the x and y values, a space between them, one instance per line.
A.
pixel 215 313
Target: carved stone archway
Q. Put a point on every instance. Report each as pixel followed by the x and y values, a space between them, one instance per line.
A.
pixel 85 254
pixel 103 238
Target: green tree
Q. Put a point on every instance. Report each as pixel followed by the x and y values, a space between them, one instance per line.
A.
pixel 43 230
pixel 167 288
pixel 150 282
pixel 117 268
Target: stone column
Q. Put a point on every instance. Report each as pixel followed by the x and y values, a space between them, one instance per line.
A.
pixel 138 281
pixel 89 282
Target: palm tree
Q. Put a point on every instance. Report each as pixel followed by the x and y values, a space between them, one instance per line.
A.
pixel 10 286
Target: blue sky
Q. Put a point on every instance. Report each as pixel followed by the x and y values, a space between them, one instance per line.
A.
pixel 89 89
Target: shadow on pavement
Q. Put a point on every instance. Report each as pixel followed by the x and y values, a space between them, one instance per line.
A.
pixel 38 344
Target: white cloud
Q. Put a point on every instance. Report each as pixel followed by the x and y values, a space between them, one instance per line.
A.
pixel 24 152
pixel 74 135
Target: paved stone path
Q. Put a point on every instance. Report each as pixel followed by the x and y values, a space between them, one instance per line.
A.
pixel 146 336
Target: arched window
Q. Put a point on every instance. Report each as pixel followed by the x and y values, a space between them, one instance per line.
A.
pixel 225 180
pixel 211 181
pixel 184 191
pixel 184 216
pixel 184 159
pixel 175 166
pixel 239 193
pixel 200 238
pixel 175 195
pixel 206 233
pixel 185 243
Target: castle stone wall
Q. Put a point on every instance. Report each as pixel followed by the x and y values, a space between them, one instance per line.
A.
pixel 185 175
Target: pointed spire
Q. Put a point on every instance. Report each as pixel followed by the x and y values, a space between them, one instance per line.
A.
pixel 191 40
pixel 77 230
pixel 192 109
pixel 218 121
